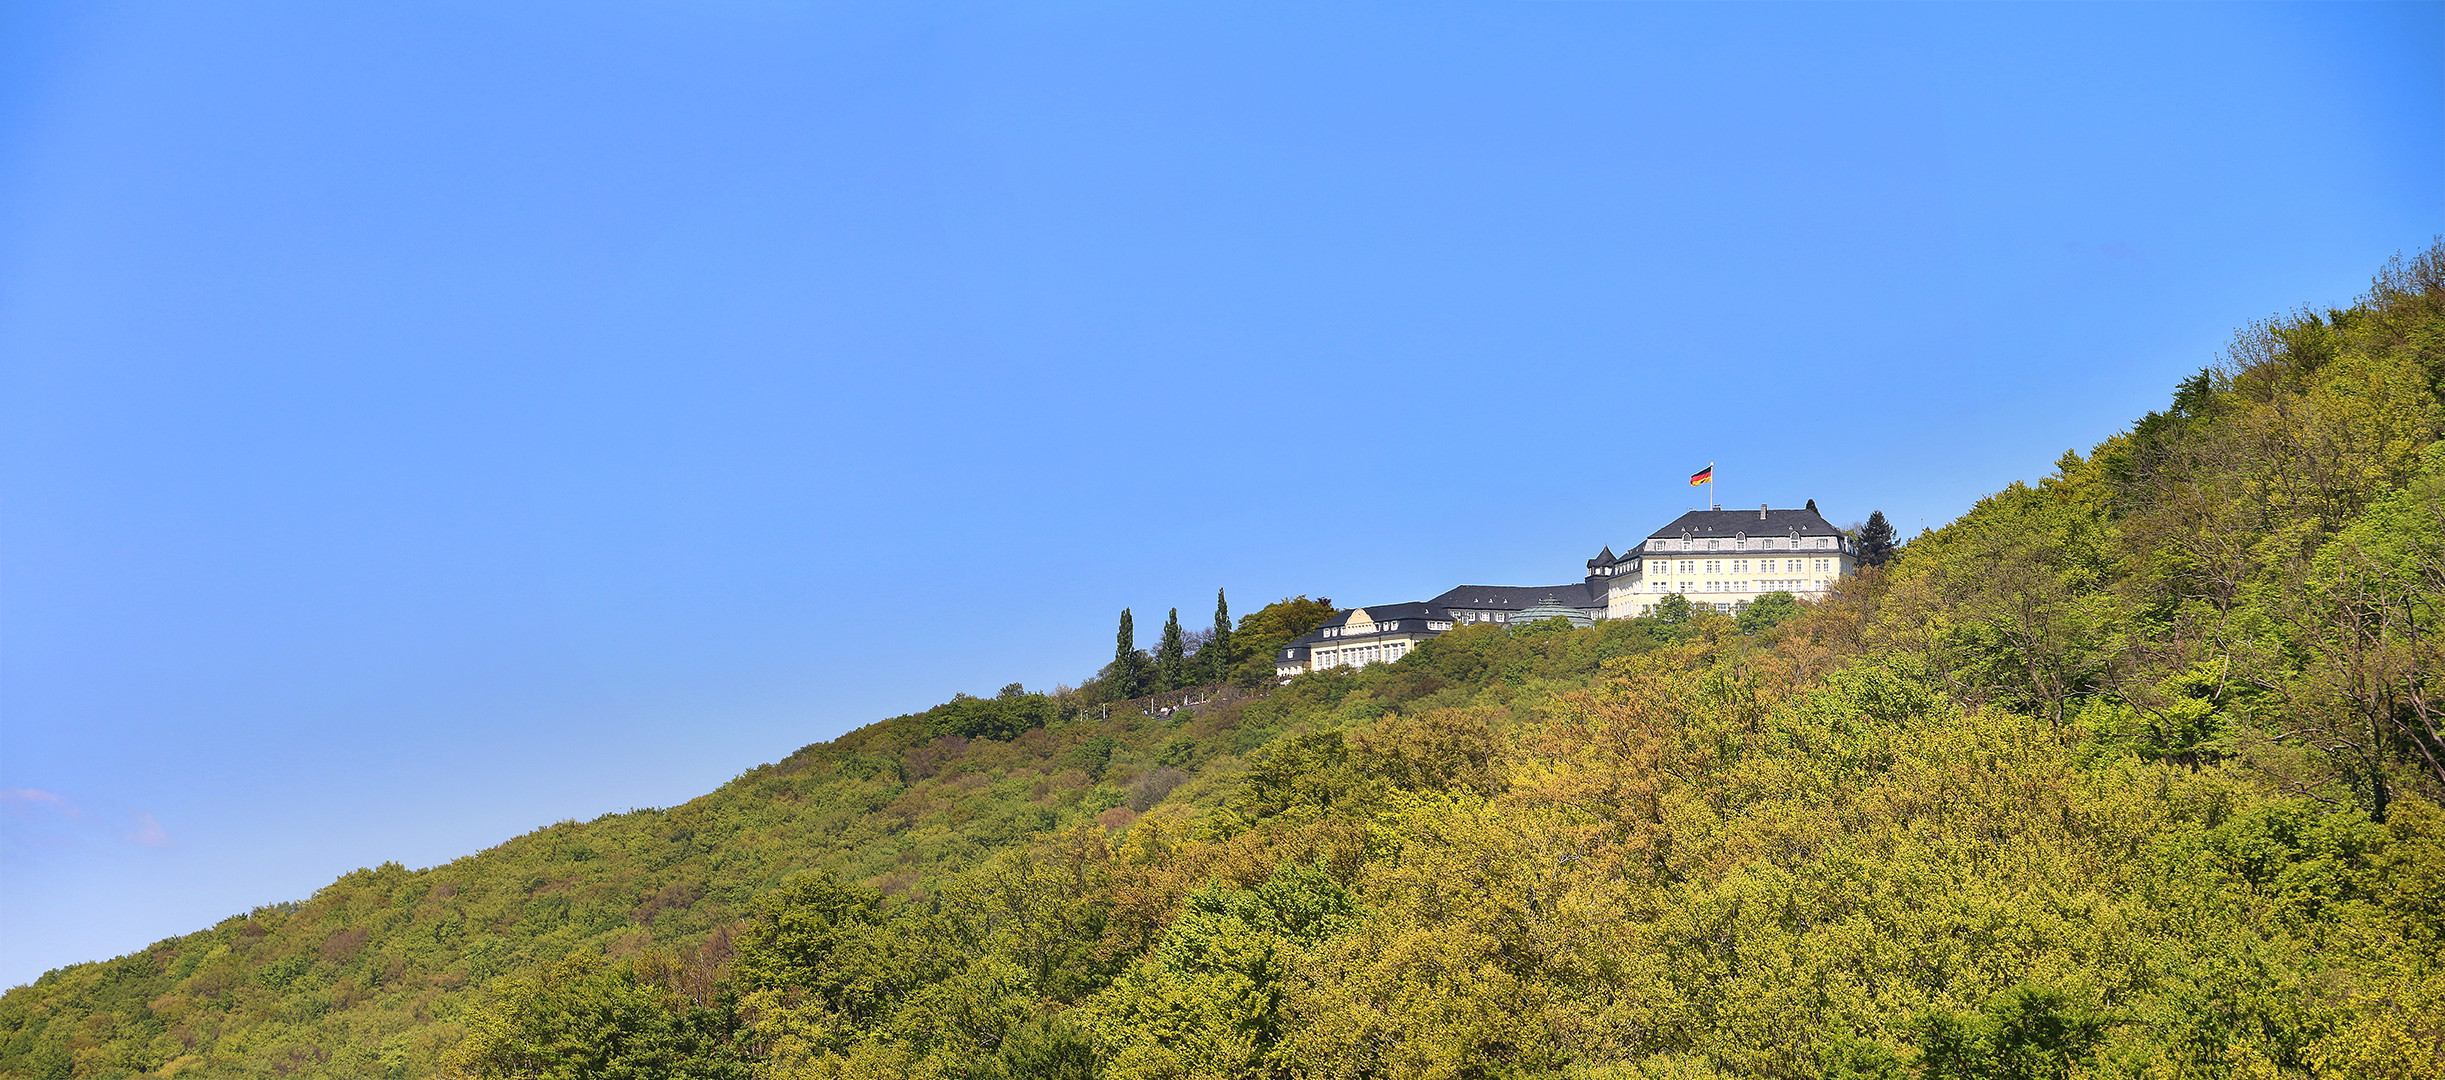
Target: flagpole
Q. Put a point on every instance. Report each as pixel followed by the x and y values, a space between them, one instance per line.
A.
pixel 1711 504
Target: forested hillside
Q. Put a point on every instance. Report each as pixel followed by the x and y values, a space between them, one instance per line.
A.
pixel 2134 771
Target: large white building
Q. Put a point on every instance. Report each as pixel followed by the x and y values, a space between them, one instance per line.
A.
pixel 1720 558
pixel 1726 558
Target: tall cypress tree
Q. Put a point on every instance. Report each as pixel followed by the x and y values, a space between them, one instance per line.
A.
pixel 1172 655
pixel 1216 656
pixel 1875 540
pixel 1127 676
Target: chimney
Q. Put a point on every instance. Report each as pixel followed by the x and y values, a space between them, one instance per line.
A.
pixel 1761 511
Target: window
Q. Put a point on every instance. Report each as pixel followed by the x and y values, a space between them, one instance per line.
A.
pixel 1713 545
pixel 1825 564
pixel 1688 567
pixel 1714 566
pixel 1740 543
pixel 1740 566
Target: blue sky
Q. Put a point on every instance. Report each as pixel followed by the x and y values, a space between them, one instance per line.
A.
pixel 422 423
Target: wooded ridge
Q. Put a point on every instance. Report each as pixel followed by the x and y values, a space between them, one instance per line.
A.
pixel 2132 771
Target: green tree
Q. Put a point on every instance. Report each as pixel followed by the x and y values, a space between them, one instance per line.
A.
pixel 1263 634
pixel 1216 657
pixel 1672 610
pixel 799 935
pixel 1131 673
pixel 1875 540
pixel 1766 611
pixel 580 1019
pixel 1004 716
pixel 1172 655
pixel 2024 1033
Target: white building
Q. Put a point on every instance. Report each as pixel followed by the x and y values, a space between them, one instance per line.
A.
pixel 1362 636
pixel 1726 558
pixel 1721 558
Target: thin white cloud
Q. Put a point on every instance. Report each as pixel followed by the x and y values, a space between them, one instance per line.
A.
pixel 149 832
pixel 38 797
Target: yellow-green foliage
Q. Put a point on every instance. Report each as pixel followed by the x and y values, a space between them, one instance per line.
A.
pixel 2133 772
pixel 373 975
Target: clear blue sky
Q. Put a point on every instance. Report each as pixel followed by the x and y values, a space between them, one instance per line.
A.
pixel 422 423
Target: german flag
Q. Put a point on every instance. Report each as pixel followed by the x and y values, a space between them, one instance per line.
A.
pixel 1702 476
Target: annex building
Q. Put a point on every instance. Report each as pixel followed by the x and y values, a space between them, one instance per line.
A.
pixel 1720 558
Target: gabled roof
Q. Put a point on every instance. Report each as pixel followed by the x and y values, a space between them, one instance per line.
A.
pixel 1604 558
pixel 1389 612
pixel 1517 597
pixel 1382 613
pixel 1719 523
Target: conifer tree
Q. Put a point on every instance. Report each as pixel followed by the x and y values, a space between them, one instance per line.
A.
pixel 1128 676
pixel 1215 658
pixel 1172 656
pixel 1875 540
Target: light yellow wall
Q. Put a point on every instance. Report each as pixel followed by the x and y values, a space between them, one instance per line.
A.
pixel 1328 653
pixel 1631 595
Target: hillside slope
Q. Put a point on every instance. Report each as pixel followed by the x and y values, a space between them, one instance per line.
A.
pixel 2134 771
pixel 370 975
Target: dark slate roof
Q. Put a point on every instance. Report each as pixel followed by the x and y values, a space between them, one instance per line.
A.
pixel 1718 523
pixel 1384 613
pixel 1411 610
pixel 1517 597
pixel 1604 558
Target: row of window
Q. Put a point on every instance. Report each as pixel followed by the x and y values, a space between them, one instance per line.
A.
pixel 1359 655
pixel 1740 543
pixel 1741 585
pixel 1741 566
pixel 1725 606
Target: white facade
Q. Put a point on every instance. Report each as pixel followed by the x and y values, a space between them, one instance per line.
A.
pixel 1720 558
pixel 1356 639
pixel 1714 560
